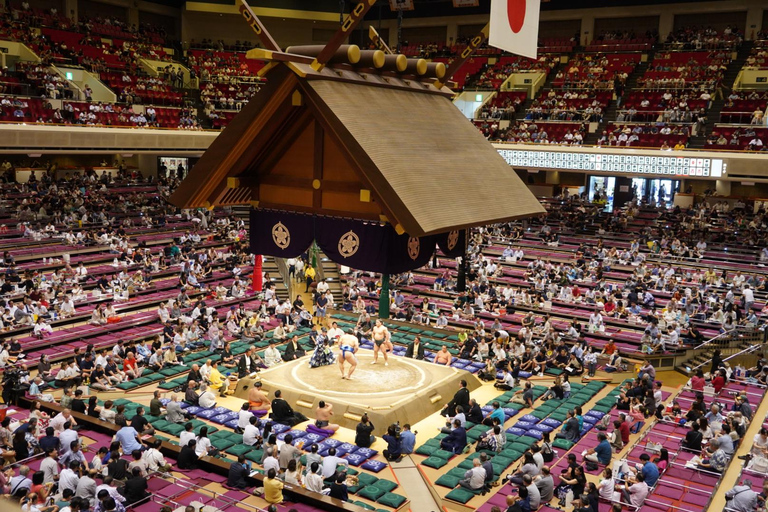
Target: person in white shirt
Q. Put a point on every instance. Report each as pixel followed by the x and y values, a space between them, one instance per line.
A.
pixel 271 462
pixel 70 476
pixel 314 480
pixel 207 397
pixel 334 333
pixel 186 436
pixel 331 462
pixel 244 416
pixel 154 459
pixel 251 433
pixel 272 355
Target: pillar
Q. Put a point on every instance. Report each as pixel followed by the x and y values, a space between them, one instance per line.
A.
pixel 754 22
pixel 258 283
pixel 133 16
pixel 384 297
pixel 587 29
pixel 70 9
pixel 666 24
pixel 723 188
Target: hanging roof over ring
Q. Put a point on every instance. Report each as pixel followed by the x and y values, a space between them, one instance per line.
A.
pixel 357 134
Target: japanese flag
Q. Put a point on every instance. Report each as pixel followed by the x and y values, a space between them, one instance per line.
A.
pixel 515 26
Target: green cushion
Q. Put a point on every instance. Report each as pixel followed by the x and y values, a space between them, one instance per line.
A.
pixel 367 478
pixel 562 443
pixel 142 381
pixel 235 438
pixel 391 499
pixel 221 444
pixel 121 401
pixel 127 385
pixel 371 492
pixel 364 505
pixel 426 449
pixel 386 485
pixel 461 495
pixel 255 456
pixel 443 454
pixel 169 371
pixel 160 424
pixel 238 449
pixel 502 461
pixel 435 462
pixel 433 441
pixel 174 429
pixel 517 446
pixel 525 440
pixel 511 454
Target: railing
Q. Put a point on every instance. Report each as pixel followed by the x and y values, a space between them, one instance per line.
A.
pixel 757 345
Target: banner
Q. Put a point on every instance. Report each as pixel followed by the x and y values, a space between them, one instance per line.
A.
pixel 280 234
pixel 357 244
pixel 515 26
pixel 453 243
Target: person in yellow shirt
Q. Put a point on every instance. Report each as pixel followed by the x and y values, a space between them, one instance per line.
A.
pixel 679 146
pixel 273 487
pixel 309 274
pixel 216 379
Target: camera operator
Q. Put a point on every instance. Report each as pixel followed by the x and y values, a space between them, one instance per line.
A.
pixel 394 445
pixel 407 440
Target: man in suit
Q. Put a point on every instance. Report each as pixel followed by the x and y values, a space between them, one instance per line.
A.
pixel 456 440
pixel 415 350
pixel 293 350
pixel 238 472
pixel 460 398
pixel 194 374
pixel 283 413
pixel 247 364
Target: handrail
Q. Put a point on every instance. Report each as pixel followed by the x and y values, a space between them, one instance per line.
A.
pixel 747 350
pixel 726 333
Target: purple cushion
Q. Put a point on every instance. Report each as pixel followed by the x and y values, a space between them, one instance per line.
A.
pixel 279 428
pixel 313 429
pixel 207 413
pixel 350 448
pixel 231 423
pixel 193 409
pixel 221 419
pixel 332 443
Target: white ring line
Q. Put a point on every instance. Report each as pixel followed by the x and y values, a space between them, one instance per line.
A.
pixel 417 386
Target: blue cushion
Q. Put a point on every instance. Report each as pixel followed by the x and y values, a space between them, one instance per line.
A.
pixel 312 438
pixel 523 375
pixel 332 443
pixel 530 418
pixel 222 410
pixel 509 412
pixel 222 418
pixel 525 425
pixel 207 413
pixel 355 459
pixel 543 428
pixel 374 465
pixel 193 409
pixel 366 452
pixel 231 424
pixel 551 422
pixel 515 431
pixel 350 448
pixel 595 414
pixel 279 428
pixel 536 434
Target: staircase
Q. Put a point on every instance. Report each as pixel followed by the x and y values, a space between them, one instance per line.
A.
pixel 329 272
pixel 728 344
pixel 609 114
pixel 523 110
pixel 729 77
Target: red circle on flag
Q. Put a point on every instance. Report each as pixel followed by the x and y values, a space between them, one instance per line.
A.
pixel 516 14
